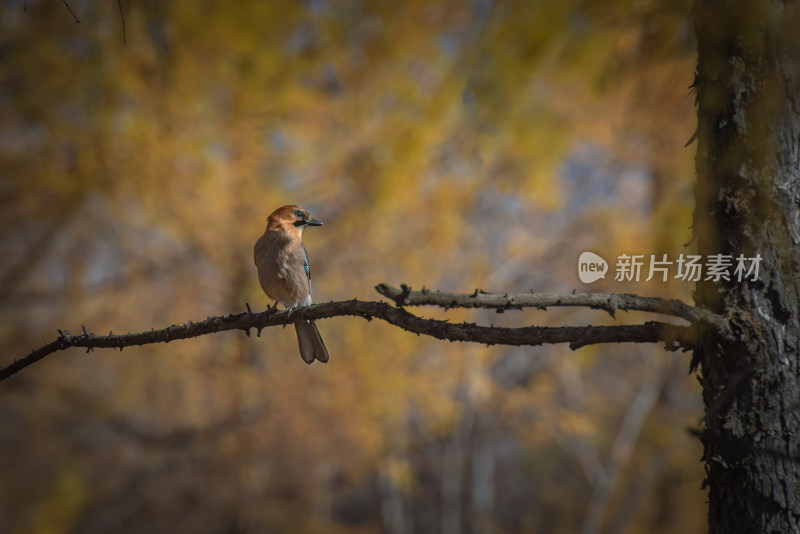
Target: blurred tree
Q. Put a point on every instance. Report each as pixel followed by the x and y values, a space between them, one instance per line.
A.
pixel 449 144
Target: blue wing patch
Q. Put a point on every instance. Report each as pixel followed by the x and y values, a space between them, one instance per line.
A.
pixel 307 267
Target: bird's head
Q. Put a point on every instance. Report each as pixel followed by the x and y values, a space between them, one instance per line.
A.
pixel 291 219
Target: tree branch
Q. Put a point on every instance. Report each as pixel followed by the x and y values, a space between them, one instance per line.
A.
pixel 673 336
pixel 609 302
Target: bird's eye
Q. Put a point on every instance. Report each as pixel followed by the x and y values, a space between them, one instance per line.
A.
pixel 299 214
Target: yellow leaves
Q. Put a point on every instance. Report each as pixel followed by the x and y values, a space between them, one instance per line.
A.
pixel 575 425
pixel 399 473
pixel 432 139
pixel 62 504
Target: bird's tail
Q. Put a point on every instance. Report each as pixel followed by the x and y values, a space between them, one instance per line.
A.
pixel 311 345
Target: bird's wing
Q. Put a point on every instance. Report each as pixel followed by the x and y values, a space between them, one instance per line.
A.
pixel 307 267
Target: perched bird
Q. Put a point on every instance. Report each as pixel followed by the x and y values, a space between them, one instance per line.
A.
pixel 283 271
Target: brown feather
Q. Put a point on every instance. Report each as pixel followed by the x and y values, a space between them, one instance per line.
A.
pixel 310 342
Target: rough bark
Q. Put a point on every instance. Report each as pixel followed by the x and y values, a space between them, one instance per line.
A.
pixel 748 195
pixel 608 302
pixel 673 336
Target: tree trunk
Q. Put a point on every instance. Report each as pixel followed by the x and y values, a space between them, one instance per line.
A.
pixel 748 200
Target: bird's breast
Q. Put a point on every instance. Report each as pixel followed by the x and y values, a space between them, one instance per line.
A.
pixel 281 269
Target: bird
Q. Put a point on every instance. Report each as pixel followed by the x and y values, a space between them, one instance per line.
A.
pixel 282 263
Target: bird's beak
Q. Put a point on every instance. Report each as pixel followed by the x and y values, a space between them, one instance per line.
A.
pixel 311 221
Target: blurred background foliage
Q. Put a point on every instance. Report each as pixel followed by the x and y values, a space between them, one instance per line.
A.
pixel 448 144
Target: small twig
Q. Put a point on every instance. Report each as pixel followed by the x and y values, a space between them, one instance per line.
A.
pixel 71 12
pixel 122 16
pixel 401 298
